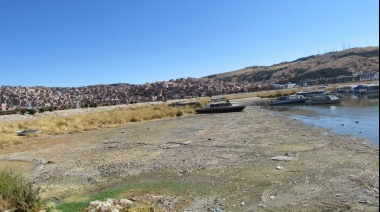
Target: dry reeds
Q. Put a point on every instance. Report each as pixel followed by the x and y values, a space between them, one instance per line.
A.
pixel 89 121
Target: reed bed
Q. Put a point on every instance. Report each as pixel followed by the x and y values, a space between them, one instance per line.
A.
pixel 53 125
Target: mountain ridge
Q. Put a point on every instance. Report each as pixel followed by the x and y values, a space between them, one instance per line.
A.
pixel 354 60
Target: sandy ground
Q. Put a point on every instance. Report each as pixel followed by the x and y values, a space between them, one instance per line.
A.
pixel 227 159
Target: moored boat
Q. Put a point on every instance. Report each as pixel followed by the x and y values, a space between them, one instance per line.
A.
pixel 323 99
pixel 311 93
pixel 368 88
pixel 221 107
pixel 286 100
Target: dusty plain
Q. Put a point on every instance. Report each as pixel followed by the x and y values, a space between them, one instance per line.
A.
pixel 223 161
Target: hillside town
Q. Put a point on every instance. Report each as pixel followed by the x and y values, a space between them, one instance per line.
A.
pixel 13 97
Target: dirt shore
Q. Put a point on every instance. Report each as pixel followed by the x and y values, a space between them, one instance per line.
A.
pixel 252 160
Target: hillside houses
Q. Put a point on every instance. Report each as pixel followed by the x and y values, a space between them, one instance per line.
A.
pixel 12 97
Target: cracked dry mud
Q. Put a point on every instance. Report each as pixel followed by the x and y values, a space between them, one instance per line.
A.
pixel 225 158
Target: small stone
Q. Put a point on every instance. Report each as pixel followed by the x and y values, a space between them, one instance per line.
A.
pixel 126 202
pixel 364 201
pixel 95 203
pixel 279 167
pixel 261 205
pixel 282 158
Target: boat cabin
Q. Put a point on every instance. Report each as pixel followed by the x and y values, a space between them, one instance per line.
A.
pixel 310 93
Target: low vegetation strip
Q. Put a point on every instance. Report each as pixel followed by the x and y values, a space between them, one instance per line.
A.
pixel 53 125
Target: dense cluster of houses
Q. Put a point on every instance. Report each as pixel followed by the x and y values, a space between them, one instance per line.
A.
pixel 12 97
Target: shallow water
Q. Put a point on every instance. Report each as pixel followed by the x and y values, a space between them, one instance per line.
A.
pixel 354 115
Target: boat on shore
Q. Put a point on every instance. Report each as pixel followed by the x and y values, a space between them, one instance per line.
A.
pixel 372 88
pixel 322 99
pixel 311 93
pixel 286 100
pixel 221 107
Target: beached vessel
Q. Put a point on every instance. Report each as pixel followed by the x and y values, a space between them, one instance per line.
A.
pixel 286 100
pixel 368 88
pixel 221 107
pixel 322 99
pixel 311 93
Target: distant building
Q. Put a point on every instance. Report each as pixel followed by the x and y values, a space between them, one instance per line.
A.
pixel 3 106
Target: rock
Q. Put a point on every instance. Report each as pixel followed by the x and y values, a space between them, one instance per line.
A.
pixel 279 167
pixel 363 201
pixel 261 205
pixel 103 207
pixel 282 158
pixel 126 202
pixel 109 200
pixel 95 203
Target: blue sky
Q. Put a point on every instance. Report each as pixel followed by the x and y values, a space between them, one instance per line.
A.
pixel 72 43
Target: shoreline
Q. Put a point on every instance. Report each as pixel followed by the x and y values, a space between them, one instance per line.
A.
pixel 229 155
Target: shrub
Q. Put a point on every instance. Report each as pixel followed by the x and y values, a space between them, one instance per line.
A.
pixel 17 194
pixel 41 110
pixel 180 113
pixel 31 111
pixel 23 111
pixel 9 112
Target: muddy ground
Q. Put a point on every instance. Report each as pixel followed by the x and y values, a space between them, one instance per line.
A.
pixel 226 161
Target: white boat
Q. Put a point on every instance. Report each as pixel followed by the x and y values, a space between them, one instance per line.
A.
pixel 322 99
pixel 220 107
pixel 286 100
pixel 311 93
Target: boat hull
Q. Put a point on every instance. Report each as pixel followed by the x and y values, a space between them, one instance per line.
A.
pixel 322 102
pixel 220 109
pixel 324 99
pixel 288 102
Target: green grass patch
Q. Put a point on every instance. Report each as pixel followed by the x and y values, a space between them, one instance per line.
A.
pixel 168 188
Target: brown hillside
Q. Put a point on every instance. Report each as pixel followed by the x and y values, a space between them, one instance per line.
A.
pixel 355 60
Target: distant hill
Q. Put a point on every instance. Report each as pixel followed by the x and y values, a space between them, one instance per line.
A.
pixel 347 62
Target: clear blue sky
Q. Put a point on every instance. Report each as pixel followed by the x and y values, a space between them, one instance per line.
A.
pixel 72 43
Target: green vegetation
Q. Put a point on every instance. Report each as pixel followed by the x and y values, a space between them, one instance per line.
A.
pixel 211 76
pixel 169 188
pixel 16 194
pixel 304 58
pixel 9 112
pixel 31 111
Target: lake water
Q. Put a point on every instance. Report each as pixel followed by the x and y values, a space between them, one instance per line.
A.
pixel 355 115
